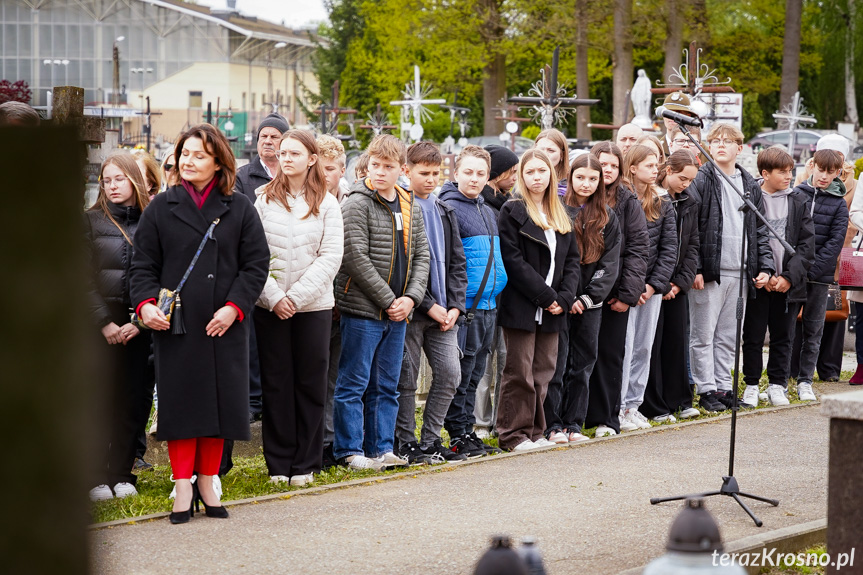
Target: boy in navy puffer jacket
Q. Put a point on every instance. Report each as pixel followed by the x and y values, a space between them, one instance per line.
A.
pixel 478 228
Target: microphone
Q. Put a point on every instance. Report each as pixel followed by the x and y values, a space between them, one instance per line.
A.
pixel 662 112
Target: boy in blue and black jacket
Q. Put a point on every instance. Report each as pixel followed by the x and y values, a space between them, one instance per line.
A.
pixel 478 229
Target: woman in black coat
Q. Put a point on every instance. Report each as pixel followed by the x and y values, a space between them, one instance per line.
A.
pixel 109 226
pixel 202 374
pixel 540 254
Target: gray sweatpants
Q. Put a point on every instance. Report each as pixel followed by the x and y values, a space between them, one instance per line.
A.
pixel 713 327
pixel 640 333
pixel 442 352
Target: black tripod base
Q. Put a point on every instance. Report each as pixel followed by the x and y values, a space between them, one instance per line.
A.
pixel 729 488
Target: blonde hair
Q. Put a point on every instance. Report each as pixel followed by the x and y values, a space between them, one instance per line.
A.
pixel 722 130
pixel 472 151
pixel 331 149
pixel 315 185
pixel 388 147
pixel 154 171
pixel 655 141
pixel 559 140
pixel 555 213
pixel 650 201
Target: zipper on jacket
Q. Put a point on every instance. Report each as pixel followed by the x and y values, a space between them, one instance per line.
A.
pixel 812 209
pixel 394 244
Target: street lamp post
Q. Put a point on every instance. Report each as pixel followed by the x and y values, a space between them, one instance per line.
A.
pixel 277 46
pixel 116 57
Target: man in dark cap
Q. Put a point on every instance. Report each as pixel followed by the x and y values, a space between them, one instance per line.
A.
pixel 264 166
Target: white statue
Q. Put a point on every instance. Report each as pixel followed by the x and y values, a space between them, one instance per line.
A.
pixel 640 97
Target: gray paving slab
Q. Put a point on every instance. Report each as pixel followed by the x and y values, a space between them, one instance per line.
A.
pixel 588 506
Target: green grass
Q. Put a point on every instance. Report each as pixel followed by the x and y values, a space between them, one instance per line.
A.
pixel 249 477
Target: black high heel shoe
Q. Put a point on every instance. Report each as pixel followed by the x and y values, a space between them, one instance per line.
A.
pixel 217 512
pixel 178 517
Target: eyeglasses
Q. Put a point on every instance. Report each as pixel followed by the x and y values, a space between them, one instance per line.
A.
pixel 682 142
pixel 119 180
pixel 727 143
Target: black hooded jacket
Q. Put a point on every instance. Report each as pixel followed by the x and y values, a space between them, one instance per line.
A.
pixel 634 245
pixel 687 241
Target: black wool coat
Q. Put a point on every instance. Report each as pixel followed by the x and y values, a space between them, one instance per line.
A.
pixel 203 381
pixel 687 241
pixel 527 258
pixel 251 177
pixel 634 248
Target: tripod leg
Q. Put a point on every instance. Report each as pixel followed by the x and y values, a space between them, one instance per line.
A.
pixel 655 500
pixel 748 511
pixel 773 502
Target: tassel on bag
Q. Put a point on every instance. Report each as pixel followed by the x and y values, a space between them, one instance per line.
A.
pixel 177 325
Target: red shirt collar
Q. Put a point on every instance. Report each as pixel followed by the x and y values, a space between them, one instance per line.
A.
pixel 199 197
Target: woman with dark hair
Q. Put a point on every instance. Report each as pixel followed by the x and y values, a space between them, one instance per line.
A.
pixel 554 144
pixel 293 317
pixel 598 236
pixel 605 382
pixel 201 353
pixel 110 226
pixel 668 390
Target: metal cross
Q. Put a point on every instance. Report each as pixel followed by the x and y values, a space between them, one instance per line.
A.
pixel 415 100
pixel 794 113
pixel 511 119
pixel 377 122
pixel 693 77
pixel 330 112
pixel 548 98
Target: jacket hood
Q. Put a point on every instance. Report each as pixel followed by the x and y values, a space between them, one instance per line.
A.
pixel 132 213
pixel 780 194
pixel 835 188
pixel 449 192
pixel 494 199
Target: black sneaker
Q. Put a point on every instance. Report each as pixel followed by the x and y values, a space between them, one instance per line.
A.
pixel 141 465
pixel 439 454
pixel 726 398
pixel 489 449
pixel 329 459
pixel 414 455
pixel 464 445
pixel 709 402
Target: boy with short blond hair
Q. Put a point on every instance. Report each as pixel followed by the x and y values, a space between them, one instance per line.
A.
pixel 478 230
pixel 331 156
pixel 713 300
pixel 775 306
pixel 825 195
pixel 383 277
pixel 433 327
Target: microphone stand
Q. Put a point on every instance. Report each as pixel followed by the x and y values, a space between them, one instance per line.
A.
pixel 730 487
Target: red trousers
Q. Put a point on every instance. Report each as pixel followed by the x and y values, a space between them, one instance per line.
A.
pixel 201 454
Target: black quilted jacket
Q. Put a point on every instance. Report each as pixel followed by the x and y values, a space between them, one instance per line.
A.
pixel 662 254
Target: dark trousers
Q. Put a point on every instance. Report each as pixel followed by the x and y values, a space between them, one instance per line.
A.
pixel 668 389
pixel 603 402
pixel 829 363
pixel 130 383
pixel 474 341
pixel 295 355
pixel 570 410
pixel 254 370
pixel 554 395
pixel 768 311
pixel 523 385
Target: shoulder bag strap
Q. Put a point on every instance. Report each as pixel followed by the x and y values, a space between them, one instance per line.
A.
pixel 472 311
pixel 207 236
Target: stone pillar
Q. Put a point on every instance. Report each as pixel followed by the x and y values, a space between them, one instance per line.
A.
pixel 845 493
pixel 48 391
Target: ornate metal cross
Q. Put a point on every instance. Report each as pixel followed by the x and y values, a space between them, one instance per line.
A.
pixel 415 100
pixel 330 112
pixel 377 122
pixel 693 77
pixel 794 113
pixel 548 98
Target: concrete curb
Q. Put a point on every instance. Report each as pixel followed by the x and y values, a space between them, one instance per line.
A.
pixel 793 539
pixel 452 466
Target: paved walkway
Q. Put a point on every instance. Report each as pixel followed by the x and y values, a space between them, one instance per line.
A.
pixel 588 506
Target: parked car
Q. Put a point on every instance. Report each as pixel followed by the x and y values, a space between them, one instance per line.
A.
pixel 804 141
pixel 521 144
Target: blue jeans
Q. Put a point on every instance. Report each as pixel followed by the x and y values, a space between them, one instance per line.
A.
pixel 475 341
pixel 369 366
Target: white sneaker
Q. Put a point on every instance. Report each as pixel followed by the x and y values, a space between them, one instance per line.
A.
pixel 635 417
pixel 776 395
pixel 805 393
pixel 390 459
pixel 101 493
pixel 279 479
pixel 558 438
pixel 625 424
pixel 762 396
pixel 363 462
pixel 604 431
pixel 154 426
pixel 300 480
pixel 481 432
pixel 688 413
pixel 750 396
pixel 663 418
pixel 575 437
pixel 124 489
pixel 525 445
pixel 543 442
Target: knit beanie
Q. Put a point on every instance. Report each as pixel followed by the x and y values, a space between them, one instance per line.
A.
pixel 273 121
pixel 502 159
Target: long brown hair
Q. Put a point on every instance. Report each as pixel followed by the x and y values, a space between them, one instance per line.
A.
pixel 316 183
pixel 555 213
pixel 215 144
pixel 608 147
pixel 592 218
pixel 559 140
pixel 154 172
pixel 676 161
pixel 649 199
pixel 126 164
